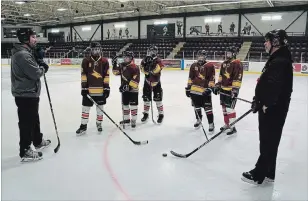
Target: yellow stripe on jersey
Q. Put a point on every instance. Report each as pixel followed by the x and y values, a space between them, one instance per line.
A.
pixel 157 69
pixel 98 90
pixel 133 84
pixel 197 88
pixel 189 81
pixel 83 78
pixel 236 84
pixel 106 80
pixel 227 88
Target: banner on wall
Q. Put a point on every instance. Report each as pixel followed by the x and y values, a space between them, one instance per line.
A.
pixel 297 67
pixel 161 31
pixel 66 61
pixel 245 65
pixel 171 63
pixel 304 68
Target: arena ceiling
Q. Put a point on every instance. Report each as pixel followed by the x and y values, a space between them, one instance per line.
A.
pixel 51 12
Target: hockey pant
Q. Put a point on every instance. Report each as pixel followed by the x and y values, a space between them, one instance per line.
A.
pixel 86 106
pixel 271 124
pixel 228 104
pixel 205 102
pixel 130 105
pixel 158 97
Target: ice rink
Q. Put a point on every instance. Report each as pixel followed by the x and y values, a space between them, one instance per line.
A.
pixel 109 167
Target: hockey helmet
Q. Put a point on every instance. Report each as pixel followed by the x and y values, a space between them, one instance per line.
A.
pixel 201 57
pixel 152 51
pixel 128 57
pixel 96 49
pixel 277 37
pixel 231 52
pixel 23 34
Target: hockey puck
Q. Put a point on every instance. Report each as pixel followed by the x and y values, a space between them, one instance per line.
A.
pixel 164 154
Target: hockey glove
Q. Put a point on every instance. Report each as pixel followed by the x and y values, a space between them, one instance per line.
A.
pixel 45 66
pixel 106 91
pixel 234 93
pixel 255 105
pixel 187 91
pixel 207 92
pixel 84 91
pixel 124 88
pixel 216 90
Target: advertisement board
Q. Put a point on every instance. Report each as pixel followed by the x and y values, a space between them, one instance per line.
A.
pixel 304 68
pixel 172 63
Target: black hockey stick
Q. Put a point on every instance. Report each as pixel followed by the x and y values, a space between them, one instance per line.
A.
pixel 53 116
pixel 236 98
pixel 200 121
pixel 212 138
pixel 135 142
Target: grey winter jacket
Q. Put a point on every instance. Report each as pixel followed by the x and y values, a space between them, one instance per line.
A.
pixel 25 73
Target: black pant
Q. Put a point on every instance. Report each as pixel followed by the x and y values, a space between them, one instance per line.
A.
pixel 129 98
pixel 270 129
pixel 157 91
pixel 100 100
pixel 29 123
pixel 205 102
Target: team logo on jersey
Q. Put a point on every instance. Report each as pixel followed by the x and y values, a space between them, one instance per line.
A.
pixel 96 74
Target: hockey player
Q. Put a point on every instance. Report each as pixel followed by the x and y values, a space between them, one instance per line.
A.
pixel 201 78
pixel 152 66
pixel 95 82
pixel 130 77
pixel 229 83
pixel 271 101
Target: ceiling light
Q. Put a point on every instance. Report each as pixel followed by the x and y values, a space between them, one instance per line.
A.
pixel 27 15
pixel 61 9
pixel 19 2
pixel 122 25
pixel 161 22
pixel 87 28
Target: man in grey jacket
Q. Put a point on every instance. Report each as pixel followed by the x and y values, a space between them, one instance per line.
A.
pixel 26 71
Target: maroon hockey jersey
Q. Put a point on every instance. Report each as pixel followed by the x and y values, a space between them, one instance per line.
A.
pixel 95 75
pixel 152 77
pixel 130 74
pixel 231 74
pixel 201 77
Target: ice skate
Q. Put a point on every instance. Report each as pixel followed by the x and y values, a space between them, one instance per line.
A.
pixel 82 130
pixel 197 124
pixel 211 128
pixel 160 118
pixel 250 177
pixel 125 122
pixel 133 123
pixel 224 127
pixel 99 127
pixel 231 131
pixel 32 155
pixel 145 117
pixel 44 144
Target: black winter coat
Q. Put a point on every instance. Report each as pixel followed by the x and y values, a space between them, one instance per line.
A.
pixel 275 85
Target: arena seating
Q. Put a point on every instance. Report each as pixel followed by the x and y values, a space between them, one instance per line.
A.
pixel 164 47
pixel 298 47
pixel 215 46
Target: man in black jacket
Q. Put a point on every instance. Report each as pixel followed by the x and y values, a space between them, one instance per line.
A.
pixel 271 101
pixel 27 67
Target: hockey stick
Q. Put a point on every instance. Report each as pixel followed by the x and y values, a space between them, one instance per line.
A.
pixel 200 120
pixel 212 138
pixel 236 98
pixel 53 116
pixel 135 142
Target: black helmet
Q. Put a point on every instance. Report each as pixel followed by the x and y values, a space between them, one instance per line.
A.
pixel 129 54
pixel 277 37
pixel 152 51
pixel 233 50
pixel 95 48
pixel 23 34
pixel 203 55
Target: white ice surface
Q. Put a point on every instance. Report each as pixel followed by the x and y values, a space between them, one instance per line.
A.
pixel 110 167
